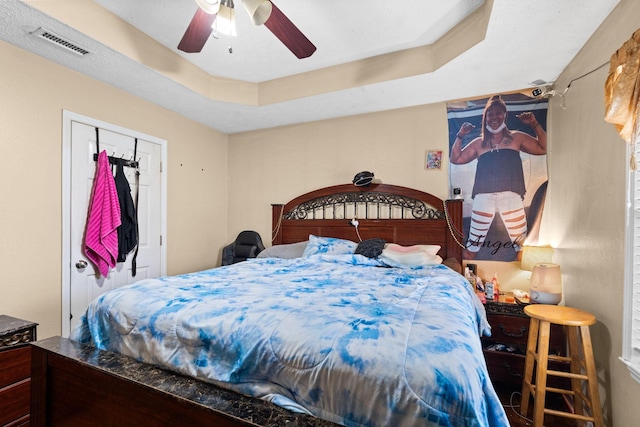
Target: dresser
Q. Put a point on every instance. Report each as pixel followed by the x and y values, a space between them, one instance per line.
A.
pixel 15 370
pixel 505 350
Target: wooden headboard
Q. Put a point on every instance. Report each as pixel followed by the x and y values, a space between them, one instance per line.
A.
pixel 396 214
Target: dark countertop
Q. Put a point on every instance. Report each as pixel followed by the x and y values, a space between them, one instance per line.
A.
pixel 251 410
pixel 15 332
pixel 10 325
pixel 514 309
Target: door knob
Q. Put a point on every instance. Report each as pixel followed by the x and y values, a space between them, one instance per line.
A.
pixel 81 264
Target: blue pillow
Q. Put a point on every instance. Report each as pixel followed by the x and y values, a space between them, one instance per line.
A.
pixel 328 246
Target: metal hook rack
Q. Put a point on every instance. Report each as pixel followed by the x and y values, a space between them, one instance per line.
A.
pixel 133 163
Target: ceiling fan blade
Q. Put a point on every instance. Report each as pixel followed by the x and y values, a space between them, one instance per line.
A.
pixel 197 32
pixel 289 34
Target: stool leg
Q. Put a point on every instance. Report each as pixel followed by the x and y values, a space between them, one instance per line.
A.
pixel 575 367
pixel 592 377
pixel 541 373
pixel 528 365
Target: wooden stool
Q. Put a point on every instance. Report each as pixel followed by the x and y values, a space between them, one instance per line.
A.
pixel 580 359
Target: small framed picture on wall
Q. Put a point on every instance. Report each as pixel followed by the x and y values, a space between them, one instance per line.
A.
pixel 433 160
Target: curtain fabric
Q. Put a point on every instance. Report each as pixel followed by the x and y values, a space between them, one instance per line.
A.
pixel 622 89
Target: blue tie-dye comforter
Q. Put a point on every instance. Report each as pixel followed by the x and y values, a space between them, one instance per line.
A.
pixel 339 337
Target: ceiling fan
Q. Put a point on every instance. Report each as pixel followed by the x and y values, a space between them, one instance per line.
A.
pixel 260 11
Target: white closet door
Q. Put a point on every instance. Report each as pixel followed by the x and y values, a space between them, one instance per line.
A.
pixel 85 283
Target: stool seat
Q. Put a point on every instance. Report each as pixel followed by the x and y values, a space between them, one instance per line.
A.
pixel 560 315
pixel 581 364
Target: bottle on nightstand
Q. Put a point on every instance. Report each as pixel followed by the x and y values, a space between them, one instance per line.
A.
pixel 488 290
pixel 470 278
pixel 496 287
pixel 480 292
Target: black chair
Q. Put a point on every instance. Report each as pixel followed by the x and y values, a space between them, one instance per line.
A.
pixel 248 244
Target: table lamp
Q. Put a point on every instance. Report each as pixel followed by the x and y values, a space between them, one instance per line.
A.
pixel 546 284
pixel 532 255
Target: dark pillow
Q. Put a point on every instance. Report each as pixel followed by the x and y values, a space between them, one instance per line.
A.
pixel 371 248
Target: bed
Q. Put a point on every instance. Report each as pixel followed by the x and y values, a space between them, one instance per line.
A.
pixel 359 324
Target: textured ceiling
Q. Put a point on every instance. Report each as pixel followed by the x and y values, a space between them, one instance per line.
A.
pixel 341 30
pixel 522 41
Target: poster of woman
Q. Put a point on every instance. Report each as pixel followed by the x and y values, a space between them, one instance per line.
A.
pixel 498 159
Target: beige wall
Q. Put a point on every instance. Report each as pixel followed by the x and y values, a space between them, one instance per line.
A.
pixel 275 165
pixel 586 207
pixel 33 94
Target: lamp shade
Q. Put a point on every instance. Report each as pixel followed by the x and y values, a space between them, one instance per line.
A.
pixel 532 255
pixel 259 10
pixel 209 6
pixel 546 284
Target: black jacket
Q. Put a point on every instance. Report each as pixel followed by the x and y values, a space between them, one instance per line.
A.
pixel 128 230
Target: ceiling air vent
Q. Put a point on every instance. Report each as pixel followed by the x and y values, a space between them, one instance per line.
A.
pixel 54 38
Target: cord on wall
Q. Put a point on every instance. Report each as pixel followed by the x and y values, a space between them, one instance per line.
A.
pixel 356 224
pixel 564 92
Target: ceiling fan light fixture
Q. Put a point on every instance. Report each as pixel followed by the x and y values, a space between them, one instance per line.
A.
pixel 225 22
pixel 209 6
pixel 259 10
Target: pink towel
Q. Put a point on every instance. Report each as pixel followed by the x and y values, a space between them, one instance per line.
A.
pixel 101 237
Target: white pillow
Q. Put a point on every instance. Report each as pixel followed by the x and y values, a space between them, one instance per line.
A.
pixel 430 249
pixel 329 246
pixel 410 256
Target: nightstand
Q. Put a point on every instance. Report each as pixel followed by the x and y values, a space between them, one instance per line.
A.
pixel 15 370
pixel 504 350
